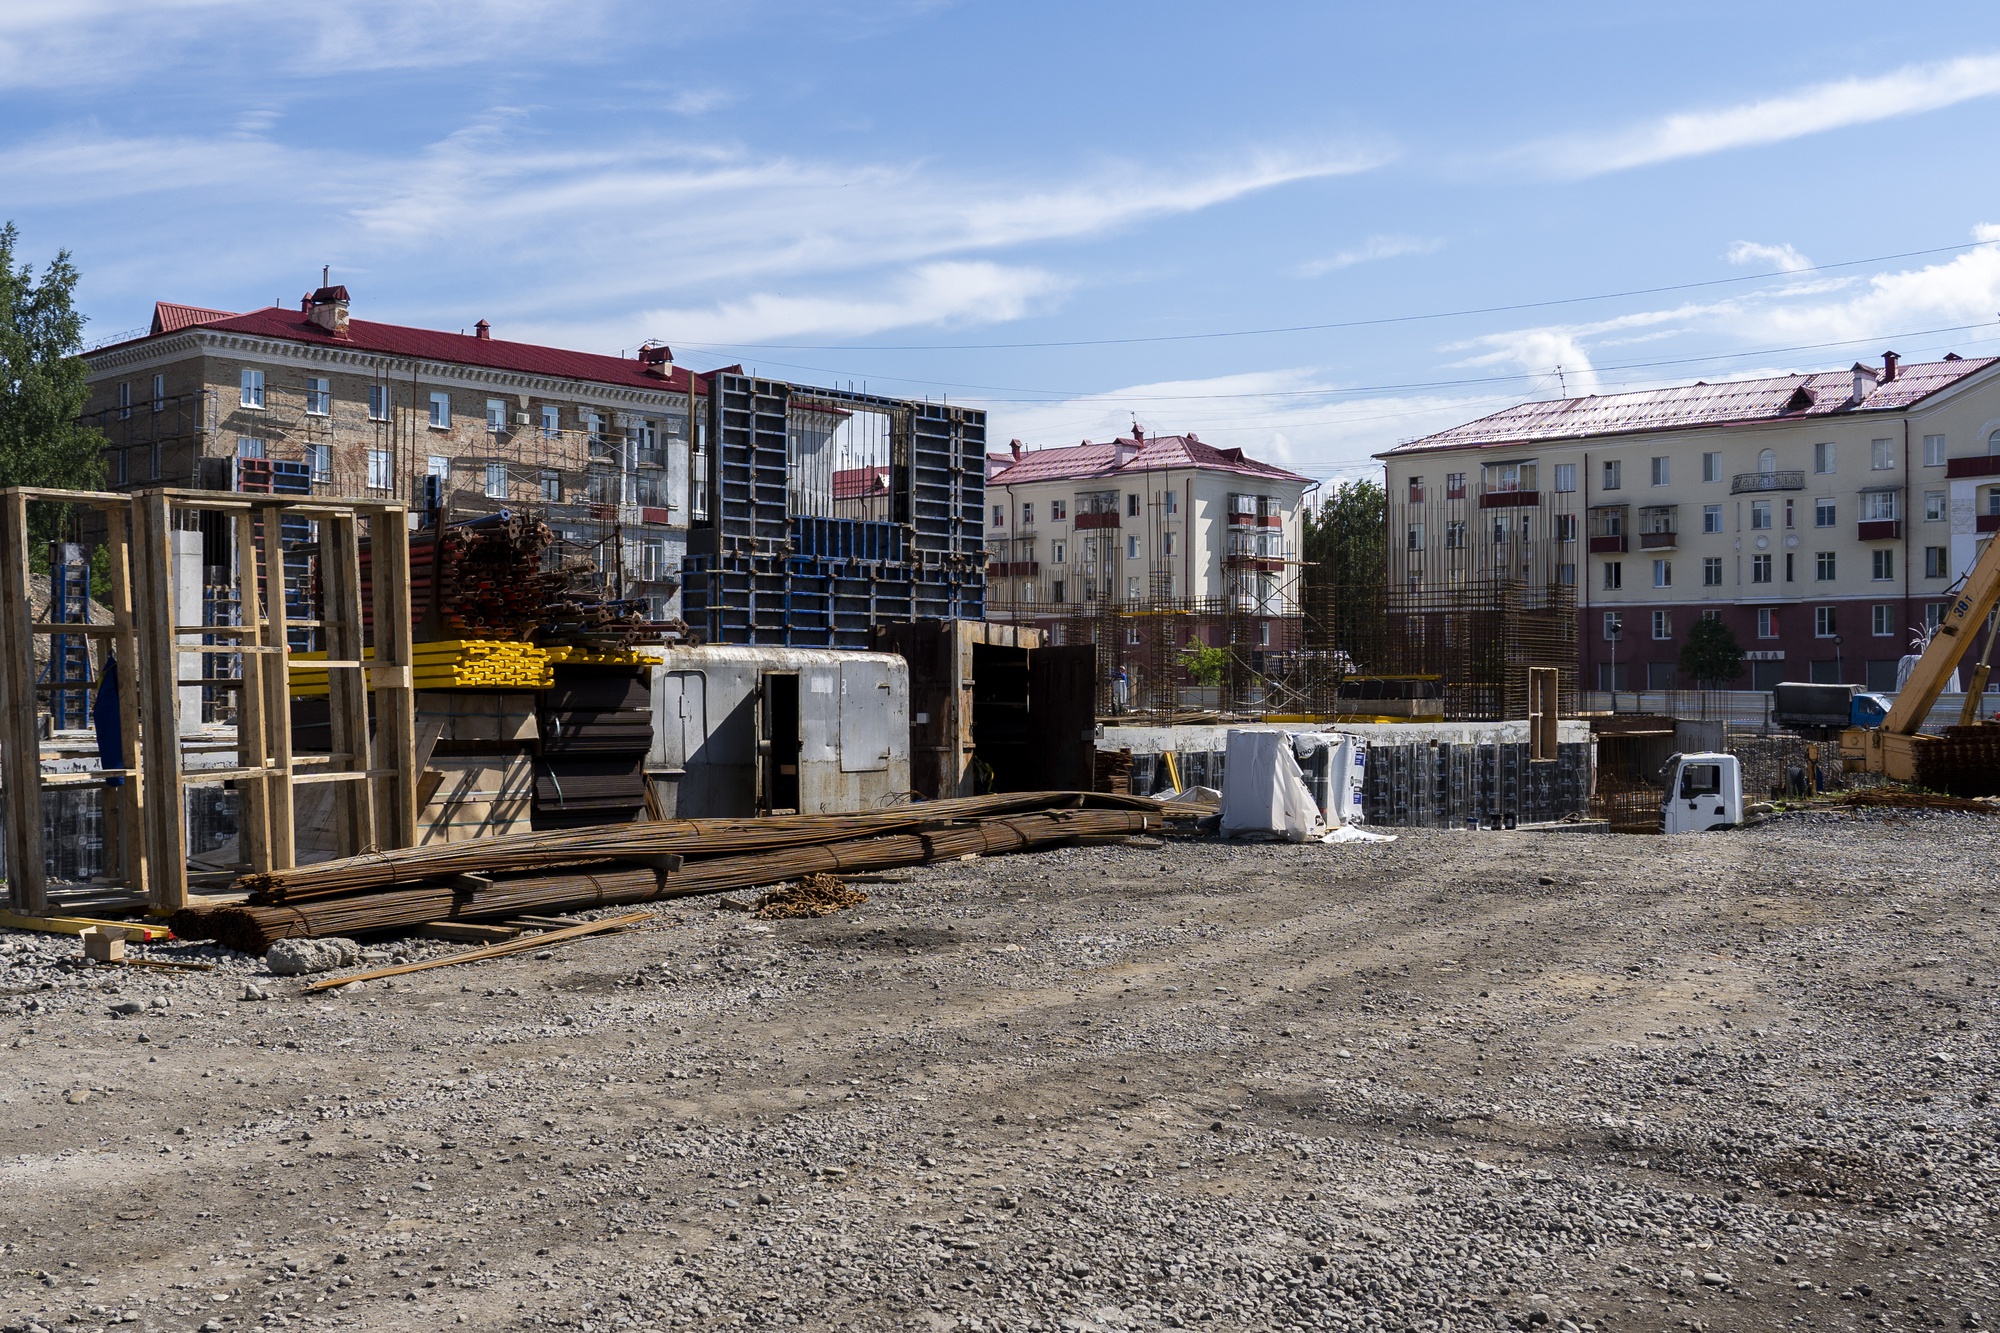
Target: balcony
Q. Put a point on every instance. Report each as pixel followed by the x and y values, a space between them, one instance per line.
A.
pixel 1256 520
pixel 1013 569
pixel 1509 499
pixel 1658 541
pixel 1767 481
pixel 1986 523
pixel 1881 529
pixel 1268 563
pixel 1611 545
pixel 1986 466
pixel 1086 522
pixel 655 514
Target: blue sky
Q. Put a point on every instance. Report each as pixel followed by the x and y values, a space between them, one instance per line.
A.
pixel 1047 210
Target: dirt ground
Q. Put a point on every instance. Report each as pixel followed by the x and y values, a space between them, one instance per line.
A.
pixel 1457 1081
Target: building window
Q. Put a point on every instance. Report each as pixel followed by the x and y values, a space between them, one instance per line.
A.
pixel 1565 479
pixel 1614 473
pixel 437 465
pixel 1058 591
pixel 652 560
pixel 1614 626
pixel 159 393
pixel 999 516
pixel 1824 566
pixel 551 487
pixel 1711 571
pixel 1826 514
pixel 1788 516
pixel 124 400
pixel 1565 527
pixel 496 481
pixel 1767 623
pixel 1823 622
pixel 551 422
pixel 1131 590
pixel 1663 573
pixel 249 446
pixel 319 459
pixel 1614 575
pixel 1058 511
pixel 1166 543
pixel 1881 455
pixel 1934 615
pixel 1027 513
pixel 1822 458
pixel 1711 518
pixel 1878 505
pixel 1454 535
pixel 1171 502
pixel 1059 555
pixel 1882 620
pixel 1790 573
pixel 1566 574
pixel 1415 537
pixel 253 388
pixel 1663 624
pixel 1933 451
pixel 1883 563
pixel 646 444
pixel 441 411
pixel 1454 486
pixel 1934 507
pixel 1131 506
pixel 1132 548
pixel 1416 490
pixel 1711 467
pixel 380 477
pixel 378 402
pixel 1662 471
pixel 496 415
pixel 1760 569
pixel 319 397
pixel 1760 515
pixel 1936 564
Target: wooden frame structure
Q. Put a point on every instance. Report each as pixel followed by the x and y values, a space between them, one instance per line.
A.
pixel 375 803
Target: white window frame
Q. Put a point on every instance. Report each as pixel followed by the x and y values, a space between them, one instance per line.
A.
pixel 1760 509
pixel 1663 470
pixel 551 484
pixel 378 402
pixel 1663 625
pixel 1826 624
pixel 1132 547
pixel 1760 563
pixel 1565 478
pixel 1826 513
pixel 319 462
pixel 1826 460
pixel 1711 466
pixel 1614 626
pixel 1881 455
pixel 1936 508
pixel 1614 474
pixel 1934 451
pixel 440 410
pixel 1614 575
pixel 551 421
pixel 438 465
pixel 1711 571
pixel 319 396
pixel 1882 620
pixel 1937 562
pixel 1767 622
pixel 159 393
pixel 1882 564
pixel 496 481
pixel 1711 518
pixel 1826 566
pixel 1663 573
pixel 252 392
pixel 249 446
pixel 496 415
pixel 381 470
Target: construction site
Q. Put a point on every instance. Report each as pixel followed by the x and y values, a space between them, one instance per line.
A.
pixel 919 900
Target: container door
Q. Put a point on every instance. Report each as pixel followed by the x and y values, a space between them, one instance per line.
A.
pixel 1062 716
pixel 869 720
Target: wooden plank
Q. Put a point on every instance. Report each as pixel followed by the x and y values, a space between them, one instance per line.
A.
pixel 395 700
pixel 131 805
pixel 50 627
pixel 494 951
pixel 467 932
pixel 20 750
pixel 253 824
pixel 76 925
pixel 347 695
pixel 160 714
pixel 279 819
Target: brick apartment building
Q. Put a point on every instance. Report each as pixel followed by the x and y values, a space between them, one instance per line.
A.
pixel 604 448
pixel 1821 516
pixel 1141 522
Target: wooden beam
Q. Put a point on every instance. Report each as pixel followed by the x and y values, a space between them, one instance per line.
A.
pixel 160 714
pixel 347 694
pixel 395 701
pixel 76 925
pixel 279 817
pixel 20 748
pixel 131 804
pixel 253 825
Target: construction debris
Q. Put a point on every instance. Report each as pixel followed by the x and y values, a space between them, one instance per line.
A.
pixel 491 951
pixel 297 958
pixel 814 895
pixel 455 664
pixel 1895 798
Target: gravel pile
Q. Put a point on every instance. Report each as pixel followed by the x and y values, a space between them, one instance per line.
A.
pixel 1458 1081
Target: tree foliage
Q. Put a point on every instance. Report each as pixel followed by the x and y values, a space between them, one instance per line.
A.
pixel 1204 664
pixel 42 388
pixel 1710 655
pixel 1346 569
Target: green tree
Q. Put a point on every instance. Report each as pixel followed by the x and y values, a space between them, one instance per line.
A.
pixel 1346 568
pixel 42 388
pixel 1204 664
pixel 1710 656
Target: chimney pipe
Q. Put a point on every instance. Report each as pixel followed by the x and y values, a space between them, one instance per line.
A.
pixel 1889 363
pixel 1864 383
pixel 482 330
pixel 329 310
pixel 656 359
pixel 1015 445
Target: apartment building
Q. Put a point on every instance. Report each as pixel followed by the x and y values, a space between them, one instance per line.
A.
pixel 1822 517
pixel 1141 522
pixel 604 448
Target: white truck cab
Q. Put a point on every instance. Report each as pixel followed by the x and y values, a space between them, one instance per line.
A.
pixel 1704 791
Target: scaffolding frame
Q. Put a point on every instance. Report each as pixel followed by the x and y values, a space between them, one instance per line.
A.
pixel 375 802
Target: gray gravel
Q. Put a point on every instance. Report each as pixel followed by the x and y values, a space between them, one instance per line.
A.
pixel 1459 1081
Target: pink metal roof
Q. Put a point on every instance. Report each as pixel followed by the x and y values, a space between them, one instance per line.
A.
pixel 855 483
pixel 429 345
pixel 1688 406
pixel 1153 454
pixel 168 317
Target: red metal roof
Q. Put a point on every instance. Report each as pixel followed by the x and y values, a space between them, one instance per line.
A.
pixel 1155 453
pixel 168 317
pixel 855 483
pixel 1824 393
pixel 427 344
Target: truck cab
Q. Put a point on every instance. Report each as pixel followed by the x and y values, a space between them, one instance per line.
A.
pixel 1704 791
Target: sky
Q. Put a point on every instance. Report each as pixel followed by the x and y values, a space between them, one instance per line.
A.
pixel 1313 231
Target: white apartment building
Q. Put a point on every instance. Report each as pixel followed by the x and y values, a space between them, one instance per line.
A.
pixel 1823 517
pixel 1138 522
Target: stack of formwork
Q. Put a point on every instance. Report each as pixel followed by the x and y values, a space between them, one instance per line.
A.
pixel 479 780
pixel 756 573
pixel 596 724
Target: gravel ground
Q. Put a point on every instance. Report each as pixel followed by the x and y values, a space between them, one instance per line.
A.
pixel 1458 1081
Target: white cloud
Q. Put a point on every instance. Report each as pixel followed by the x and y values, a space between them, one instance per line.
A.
pixel 1554 354
pixel 1814 110
pixel 699 101
pixel 1781 257
pixel 1375 247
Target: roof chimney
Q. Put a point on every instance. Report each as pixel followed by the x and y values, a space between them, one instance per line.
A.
pixel 1864 383
pixel 306 304
pixel 657 359
pixel 482 330
pixel 1138 433
pixel 1889 363
pixel 1015 446
pixel 329 310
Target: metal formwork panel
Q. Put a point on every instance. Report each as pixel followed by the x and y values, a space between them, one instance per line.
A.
pixel 750 431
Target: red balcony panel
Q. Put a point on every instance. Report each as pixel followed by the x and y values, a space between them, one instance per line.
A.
pixel 1986 523
pixel 650 514
pixel 1085 522
pixel 1509 499
pixel 1987 465
pixel 1271 564
pixel 1881 529
pixel 1607 545
pixel 1658 541
pixel 1013 569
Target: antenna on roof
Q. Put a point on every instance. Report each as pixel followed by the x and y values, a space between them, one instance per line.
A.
pixel 1562 384
pixel 326 275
